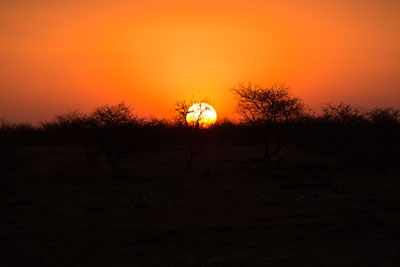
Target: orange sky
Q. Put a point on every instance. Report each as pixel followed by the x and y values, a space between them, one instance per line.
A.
pixel 77 55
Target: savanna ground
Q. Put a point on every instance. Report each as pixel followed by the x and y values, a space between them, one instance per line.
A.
pixel 62 206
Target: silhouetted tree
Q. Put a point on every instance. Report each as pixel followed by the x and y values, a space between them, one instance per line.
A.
pixel 266 107
pixel 193 131
pixel 114 116
pixel 110 124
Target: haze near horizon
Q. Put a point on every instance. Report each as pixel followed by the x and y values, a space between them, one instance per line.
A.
pixel 80 54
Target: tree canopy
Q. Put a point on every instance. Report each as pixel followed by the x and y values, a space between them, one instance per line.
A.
pixel 266 105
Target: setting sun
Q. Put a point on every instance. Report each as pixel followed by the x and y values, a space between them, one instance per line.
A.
pixel 108 111
pixel 201 113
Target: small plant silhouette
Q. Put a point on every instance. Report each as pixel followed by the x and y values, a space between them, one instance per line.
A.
pixel 342 113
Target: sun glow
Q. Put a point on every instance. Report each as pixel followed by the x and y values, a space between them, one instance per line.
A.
pixel 202 114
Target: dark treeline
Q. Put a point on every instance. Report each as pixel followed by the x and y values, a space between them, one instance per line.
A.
pixel 283 186
pixel 350 136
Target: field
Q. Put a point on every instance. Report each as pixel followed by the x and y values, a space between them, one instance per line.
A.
pixel 61 206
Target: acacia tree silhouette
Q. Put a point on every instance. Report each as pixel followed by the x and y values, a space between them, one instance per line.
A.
pixel 193 130
pixel 266 107
pixel 109 121
pixel 108 116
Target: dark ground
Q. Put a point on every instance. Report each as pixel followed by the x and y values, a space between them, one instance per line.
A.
pixel 61 206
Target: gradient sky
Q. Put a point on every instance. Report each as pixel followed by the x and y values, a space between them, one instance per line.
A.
pixel 56 57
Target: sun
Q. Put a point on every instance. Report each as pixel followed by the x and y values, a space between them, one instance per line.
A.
pixel 202 114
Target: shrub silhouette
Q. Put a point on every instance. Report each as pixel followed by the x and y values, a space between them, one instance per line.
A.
pixel 389 115
pixel 343 113
pixel 355 138
pixel 74 119
pixel 112 129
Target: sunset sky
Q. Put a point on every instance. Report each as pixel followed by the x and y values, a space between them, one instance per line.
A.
pixel 58 56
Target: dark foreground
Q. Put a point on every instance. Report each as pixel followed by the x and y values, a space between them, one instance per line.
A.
pixel 61 206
